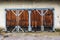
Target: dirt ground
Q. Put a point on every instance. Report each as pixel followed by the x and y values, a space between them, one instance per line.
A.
pixel 33 36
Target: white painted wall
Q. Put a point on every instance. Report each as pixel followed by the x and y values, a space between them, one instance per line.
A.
pixel 11 5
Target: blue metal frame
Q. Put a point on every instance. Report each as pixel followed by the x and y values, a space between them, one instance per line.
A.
pixel 29 8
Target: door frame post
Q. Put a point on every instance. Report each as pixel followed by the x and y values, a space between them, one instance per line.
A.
pixel 29 27
pixel 42 27
pixel 54 18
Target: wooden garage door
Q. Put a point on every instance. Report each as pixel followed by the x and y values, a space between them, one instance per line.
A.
pixel 35 18
pixel 48 18
pixel 11 19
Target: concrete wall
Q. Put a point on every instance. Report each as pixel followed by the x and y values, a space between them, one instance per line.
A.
pixel 11 5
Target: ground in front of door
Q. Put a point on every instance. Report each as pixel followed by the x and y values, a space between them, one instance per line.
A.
pixel 32 36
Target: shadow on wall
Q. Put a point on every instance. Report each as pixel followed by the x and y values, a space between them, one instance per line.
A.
pixel 29 0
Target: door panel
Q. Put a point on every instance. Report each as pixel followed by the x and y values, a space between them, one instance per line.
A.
pixel 48 19
pixel 10 18
pixel 35 18
pixel 24 19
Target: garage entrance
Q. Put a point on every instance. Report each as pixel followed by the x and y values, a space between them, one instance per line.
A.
pixel 36 19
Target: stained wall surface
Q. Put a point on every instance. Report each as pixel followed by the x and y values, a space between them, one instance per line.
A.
pixel 17 5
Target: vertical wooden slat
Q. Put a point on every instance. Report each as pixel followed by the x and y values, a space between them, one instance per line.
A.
pixel 8 18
